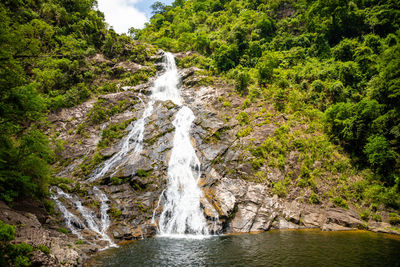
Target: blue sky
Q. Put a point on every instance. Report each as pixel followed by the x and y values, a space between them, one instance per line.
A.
pixel 123 14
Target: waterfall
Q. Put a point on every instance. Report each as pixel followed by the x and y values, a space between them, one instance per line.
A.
pixel 182 213
pixel 75 225
pixel 180 201
pixel 164 88
pixel 132 142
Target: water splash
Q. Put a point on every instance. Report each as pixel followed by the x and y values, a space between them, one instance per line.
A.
pixel 105 219
pixel 182 213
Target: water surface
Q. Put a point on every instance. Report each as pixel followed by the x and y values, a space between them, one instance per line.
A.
pixel 274 248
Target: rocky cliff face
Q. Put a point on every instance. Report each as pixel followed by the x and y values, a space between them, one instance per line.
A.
pixel 244 203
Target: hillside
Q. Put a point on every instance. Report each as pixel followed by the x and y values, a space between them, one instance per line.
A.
pixel 329 69
pixel 296 120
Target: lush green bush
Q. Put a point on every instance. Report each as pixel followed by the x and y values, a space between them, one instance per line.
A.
pixel 12 254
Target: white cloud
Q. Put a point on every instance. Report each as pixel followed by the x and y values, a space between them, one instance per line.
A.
pixel 122 14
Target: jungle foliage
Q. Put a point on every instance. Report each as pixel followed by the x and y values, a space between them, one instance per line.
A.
pixel 46 51
pixel 339 58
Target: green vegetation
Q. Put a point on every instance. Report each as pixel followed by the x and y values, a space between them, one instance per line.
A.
pixel 102 110
pixel 88 165
pixel 280 189
pixel 79 242
pixel 45 249
pixel 12 254
pixel 114 212
pixel 63 230
pixel 331 65
pixel 340 202
pixel 112 132
pixel 51 57
pixel 394 219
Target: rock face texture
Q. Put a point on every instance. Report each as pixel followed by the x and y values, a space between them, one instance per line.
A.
pixel 233 201
pixel 33 232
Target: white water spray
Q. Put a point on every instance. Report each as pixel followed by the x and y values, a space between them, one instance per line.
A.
pixel 182 213
pixel 166 86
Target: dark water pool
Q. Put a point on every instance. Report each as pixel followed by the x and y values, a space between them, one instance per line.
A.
pixel 274 248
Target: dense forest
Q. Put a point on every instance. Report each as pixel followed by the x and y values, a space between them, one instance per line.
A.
pixel 332 64
pixel 335 62
pixel 45 47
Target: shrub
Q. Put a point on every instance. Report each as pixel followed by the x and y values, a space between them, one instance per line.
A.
pixel 63 230
pixel 242 81
pixel 142 173
pixel 340 202
pixel 226 57
pixel 12 254
pixel 313 199
pixel 45 249
pixel 243 118
pixel 116 181
pixel 380 155
pixel 244 132
pixel 377 217
pixel 280 189
pixel 364 215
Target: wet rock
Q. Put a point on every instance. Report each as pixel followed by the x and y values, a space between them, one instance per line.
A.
pixel 226 194
pixel 291 212
pixel 343 217
pixel 109 152
pixel 122 232
pixel 265 217
pixel 382 227
pixel 244 218
pixel 335 227
pixel 284 224
pixel 312 219
pixel 186 73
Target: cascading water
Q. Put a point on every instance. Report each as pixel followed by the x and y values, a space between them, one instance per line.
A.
pixel 132 142
pixel 181 212
pixel 91 222
pixel 165 88
pixel 73 223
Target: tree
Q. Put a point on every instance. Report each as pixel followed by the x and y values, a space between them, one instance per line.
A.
pixel 381 156
pixel 226 57
pixel 158 8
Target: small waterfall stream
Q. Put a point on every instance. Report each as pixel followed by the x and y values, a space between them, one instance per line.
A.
pixel 164 88
pixel 75 225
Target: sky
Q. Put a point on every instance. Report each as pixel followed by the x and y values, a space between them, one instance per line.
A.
pixel 123 14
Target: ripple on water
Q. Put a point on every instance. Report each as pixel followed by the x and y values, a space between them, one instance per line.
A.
pixel 275 248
